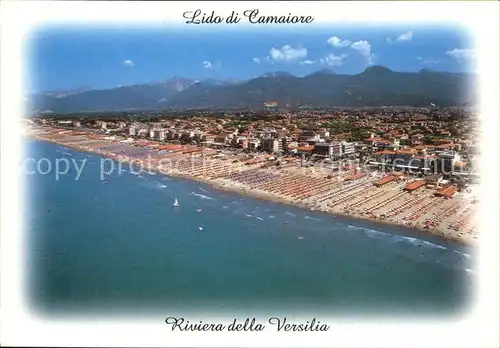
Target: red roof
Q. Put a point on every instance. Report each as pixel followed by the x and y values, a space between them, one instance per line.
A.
pixel 385 180
pixel 415 185
pixel 446 191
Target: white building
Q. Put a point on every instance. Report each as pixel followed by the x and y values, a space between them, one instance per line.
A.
pixel 253 144
pixel 348 148
pixel 270 145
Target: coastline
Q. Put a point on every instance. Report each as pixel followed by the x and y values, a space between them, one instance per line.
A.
pixel 226 185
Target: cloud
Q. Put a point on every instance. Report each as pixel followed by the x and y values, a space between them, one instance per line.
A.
pixel 287 53
pixel 128 62
pixel 211 65
pixel 462 53
pixel 333 60
pixel 256 60
pixel 269 60
pixel 402 38
pixel 365 49
pixel 405 37
pixel 307 62
pixel 427 61
pixel 337 42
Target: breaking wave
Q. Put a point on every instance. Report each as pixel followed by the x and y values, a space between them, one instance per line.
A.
pixel 467 256
pixel 312 218
pixel 396 238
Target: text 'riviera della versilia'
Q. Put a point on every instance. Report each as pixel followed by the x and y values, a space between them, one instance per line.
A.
pixel 278 324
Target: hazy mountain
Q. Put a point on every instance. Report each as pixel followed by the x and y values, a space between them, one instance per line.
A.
pixel 277 74
pixel 145 96
pixel 375 86
pixel 62 94
pixel 323 72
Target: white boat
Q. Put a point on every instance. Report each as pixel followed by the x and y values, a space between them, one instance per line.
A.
pixel 200 228
pixel 176 202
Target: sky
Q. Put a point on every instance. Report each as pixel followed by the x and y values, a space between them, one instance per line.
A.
pixel 63 58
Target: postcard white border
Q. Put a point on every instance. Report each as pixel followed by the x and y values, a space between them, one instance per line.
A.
pixel 21 327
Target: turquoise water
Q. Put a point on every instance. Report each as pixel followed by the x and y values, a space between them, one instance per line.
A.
pixel 120 245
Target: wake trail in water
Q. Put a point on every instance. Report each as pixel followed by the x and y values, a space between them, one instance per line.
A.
pixel 291 214
pixel 203 196
pixel 64 153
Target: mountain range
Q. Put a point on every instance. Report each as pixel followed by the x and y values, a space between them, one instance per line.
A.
pixel 375 86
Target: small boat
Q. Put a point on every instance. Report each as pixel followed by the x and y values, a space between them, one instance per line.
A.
pixel 200 228
pixel 198 210
pixel 300 238
pixel 176 202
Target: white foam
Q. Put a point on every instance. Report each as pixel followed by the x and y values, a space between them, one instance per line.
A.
pixel 396 238
pixel 259 218
pixel 420 242
pixel 64 153
pixel 288 213
pixel 372 233
pixel 467 256
pixel 202 196
pixel 312 218
pixel 271 216
pixel 162 186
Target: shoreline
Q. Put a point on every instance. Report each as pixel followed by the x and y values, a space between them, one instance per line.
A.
pixel 221 184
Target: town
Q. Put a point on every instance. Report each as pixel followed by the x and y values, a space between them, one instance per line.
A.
pixel 407 166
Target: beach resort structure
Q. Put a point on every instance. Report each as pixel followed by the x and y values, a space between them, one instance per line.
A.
pixel 435 205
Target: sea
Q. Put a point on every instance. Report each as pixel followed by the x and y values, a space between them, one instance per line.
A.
pixel 118 245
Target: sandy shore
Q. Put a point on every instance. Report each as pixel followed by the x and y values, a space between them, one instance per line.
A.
pixel 223 182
